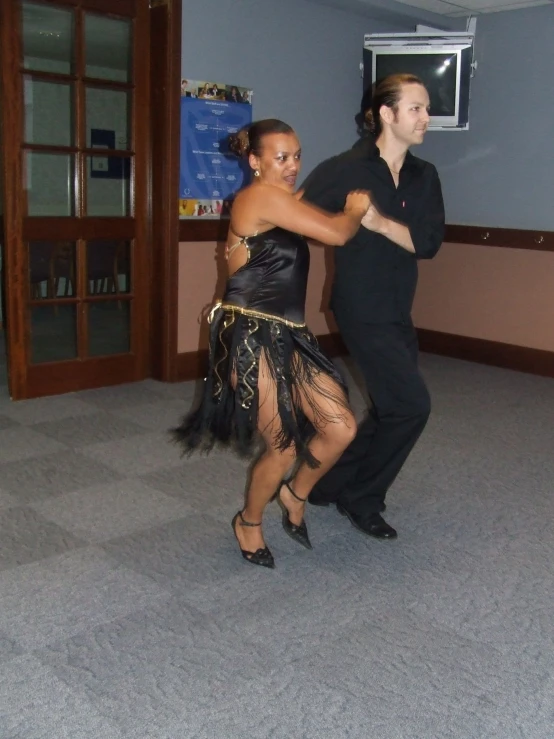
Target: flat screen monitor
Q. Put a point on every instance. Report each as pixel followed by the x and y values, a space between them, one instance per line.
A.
pixel 444 72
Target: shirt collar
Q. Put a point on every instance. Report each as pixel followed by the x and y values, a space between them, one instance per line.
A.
pixel 368 149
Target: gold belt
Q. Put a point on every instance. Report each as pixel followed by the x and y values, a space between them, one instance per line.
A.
pixel 253 313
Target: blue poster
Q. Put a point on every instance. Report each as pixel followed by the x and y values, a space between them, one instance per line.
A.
pixel 208 170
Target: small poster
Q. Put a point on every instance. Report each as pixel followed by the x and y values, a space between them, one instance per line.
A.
pixel 108 167
pixel 211 175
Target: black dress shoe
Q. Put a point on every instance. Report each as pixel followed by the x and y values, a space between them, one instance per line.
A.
pixel 375 526
pixel 262 557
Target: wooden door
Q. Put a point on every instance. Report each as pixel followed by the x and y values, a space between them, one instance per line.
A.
pixel 76 94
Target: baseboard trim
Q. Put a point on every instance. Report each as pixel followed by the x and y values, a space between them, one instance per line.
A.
pixel 192 365
pixel 495 353
pixel 215 229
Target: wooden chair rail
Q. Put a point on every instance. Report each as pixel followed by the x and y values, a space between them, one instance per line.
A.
pixel 215 229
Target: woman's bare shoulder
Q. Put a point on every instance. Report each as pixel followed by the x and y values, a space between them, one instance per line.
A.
pixel 246 212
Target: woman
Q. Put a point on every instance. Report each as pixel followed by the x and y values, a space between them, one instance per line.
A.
pixel 266 371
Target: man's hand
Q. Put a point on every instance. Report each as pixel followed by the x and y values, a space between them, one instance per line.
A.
pixel 392 230
pixel 373 220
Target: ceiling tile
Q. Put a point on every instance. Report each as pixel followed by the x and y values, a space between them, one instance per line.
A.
pixel 442 7
pixel 495 6
pixel 460 8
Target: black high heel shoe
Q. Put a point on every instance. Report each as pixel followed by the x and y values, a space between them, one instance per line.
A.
pixel 297 532
pixel 262 557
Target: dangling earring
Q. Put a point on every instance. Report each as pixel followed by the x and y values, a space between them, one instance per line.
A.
pixel 256 173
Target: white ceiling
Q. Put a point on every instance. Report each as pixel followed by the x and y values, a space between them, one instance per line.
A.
pixel 448 15
pixel 457 8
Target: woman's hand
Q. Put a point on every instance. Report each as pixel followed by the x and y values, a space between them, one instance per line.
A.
pixel 373 220
pixel 357 201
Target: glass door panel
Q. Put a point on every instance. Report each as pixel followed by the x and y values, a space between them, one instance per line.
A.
pixel 108 44
pixel 53 333
pixel 49 112
pixel 108 187
pixel 108 118
pixel 108 279
pixel 50 184
pixel 52 275
pixel 108 267
pixel 51 269
pixel 109 327
pixel 48 37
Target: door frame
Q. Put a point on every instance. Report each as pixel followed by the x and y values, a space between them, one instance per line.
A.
pixel 165 86
pixel 13 264
pixel 163 55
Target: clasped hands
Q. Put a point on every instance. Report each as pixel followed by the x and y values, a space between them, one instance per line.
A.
pixel 360 200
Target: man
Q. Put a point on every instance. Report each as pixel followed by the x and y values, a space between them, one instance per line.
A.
pixel 373 290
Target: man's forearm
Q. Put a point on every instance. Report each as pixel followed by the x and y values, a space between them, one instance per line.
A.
pixel 397 233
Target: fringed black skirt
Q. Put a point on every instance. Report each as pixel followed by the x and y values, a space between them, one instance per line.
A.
pixel 300 378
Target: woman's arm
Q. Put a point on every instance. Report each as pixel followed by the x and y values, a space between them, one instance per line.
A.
pixel 277 207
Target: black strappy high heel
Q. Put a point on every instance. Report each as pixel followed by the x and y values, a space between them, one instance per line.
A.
pixel 298 533
pixel 262 557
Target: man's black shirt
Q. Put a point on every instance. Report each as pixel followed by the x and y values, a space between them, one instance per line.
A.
pixel 375 279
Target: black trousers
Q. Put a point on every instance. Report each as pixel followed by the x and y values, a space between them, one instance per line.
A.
pixel 387 356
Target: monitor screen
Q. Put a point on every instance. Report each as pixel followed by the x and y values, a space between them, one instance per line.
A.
pixel 438 73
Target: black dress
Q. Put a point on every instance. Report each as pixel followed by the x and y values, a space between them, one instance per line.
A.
pixel 262 315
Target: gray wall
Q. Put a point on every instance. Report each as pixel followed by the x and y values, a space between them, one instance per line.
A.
pixel 501 172
pixel 301 59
